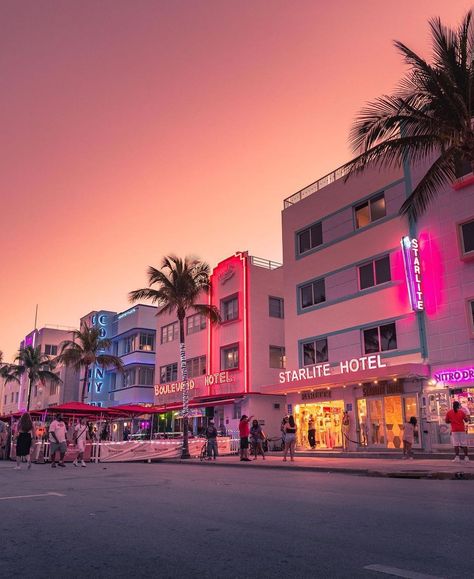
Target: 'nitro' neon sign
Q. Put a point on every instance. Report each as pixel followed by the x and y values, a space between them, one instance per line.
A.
pixel 411 258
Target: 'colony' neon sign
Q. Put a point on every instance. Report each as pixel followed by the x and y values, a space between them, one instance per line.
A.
pixel 411 258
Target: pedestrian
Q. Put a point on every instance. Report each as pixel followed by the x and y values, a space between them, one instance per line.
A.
pixel 25 435
pixel 211 436
pixel 290 438
pixel 3 440
pixel 409 438
pixel 126 433
pixel 81 435
pixel 457 418
pixel 312 432
pixel 345 429
pixel 256 438
pixel 57 440
pixel 283 433
pixel 244 432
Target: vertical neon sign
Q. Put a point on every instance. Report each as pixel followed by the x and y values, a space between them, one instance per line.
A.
pixel 411 259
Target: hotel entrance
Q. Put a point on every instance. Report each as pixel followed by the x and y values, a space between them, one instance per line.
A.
pixel 381 419
pixel 327 418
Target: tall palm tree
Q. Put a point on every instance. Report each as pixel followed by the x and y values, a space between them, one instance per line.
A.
pixel 179 283
pixel 36 366
pixel 428 117
pixel 86 349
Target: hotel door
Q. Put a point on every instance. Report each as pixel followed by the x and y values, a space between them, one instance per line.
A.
pixel 376 431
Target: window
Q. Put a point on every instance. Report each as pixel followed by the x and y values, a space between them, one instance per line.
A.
pixel 147 342
pixel 466 232
pixel 12 397
pixel 277 357
pixel 276 307
pixel 169 373
pixel 195 323
pixel 50 350
pixel 128 344
pixel 115 348
pixel 310 237
pixel 53 389
pixel 5 399
pixel 470 314
pixel 369 211
pixel 113 381
pixel 313 293
pixel 16 397
pixel 169 332
pixel 315 352
pixel 230 309
pixel 380 339
pixel 374 273
pixel 230 357
pixel 146 376
pixel 128 377
pixel 196 366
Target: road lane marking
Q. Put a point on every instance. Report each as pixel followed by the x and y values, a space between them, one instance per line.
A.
pixel 32 496
pixel 400 572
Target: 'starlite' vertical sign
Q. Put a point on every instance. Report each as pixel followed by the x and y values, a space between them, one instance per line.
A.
pixel 411 258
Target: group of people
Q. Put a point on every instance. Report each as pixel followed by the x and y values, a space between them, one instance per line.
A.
pixel 25 436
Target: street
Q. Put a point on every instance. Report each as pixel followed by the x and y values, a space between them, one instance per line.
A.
pixel 174 520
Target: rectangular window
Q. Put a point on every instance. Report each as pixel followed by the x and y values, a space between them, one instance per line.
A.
pixel 146 376
pixel 169 333
pixel 113 381
pixel 370 211
pixel 50 350
pixel 466 232
pixel 129 344
pixel 313 293
pixel 53 389
pixel 310 237
pixel 230 309
pixel 169 373
pixel 374 272
pixel 277 357
pixel 12 397
pixel 147 342
pixel 380 339
pixel 196 366
pixel 470 315
pixel 195 323
pixel 129 377
pixel 230 357
pixel 276 307
pixel 315 352
pixel 16 396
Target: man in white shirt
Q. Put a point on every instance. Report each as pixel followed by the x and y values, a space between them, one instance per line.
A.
pixel 81 434
pixel 57 440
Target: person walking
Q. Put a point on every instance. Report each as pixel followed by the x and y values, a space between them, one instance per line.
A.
pixel 409 438
pixel 81 435
pixel 312 432
pixel 25 435
pixel 211 436
pixel 256 438
pixel 457 418
pixel 244 432
pixel 57 440
pixel 290 438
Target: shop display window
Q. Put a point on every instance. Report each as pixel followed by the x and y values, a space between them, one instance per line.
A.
pixel 327 417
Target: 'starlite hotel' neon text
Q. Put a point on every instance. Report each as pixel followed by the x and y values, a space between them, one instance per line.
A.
pixel 321 370
pixel 411 259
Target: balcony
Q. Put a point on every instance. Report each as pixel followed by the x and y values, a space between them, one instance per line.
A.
pixel 316 186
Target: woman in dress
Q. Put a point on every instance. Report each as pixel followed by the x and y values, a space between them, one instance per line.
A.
pixel 256 438
pixel 25 435
pixel 290 438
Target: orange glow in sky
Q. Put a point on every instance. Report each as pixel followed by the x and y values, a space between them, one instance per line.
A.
pixel 131 130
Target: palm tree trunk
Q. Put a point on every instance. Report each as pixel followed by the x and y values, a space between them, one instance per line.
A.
pixel 184 379
pixel 84 384
pixel 30 386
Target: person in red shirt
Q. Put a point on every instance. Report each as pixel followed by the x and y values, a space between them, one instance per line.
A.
pixel 457 418
pixel 244 431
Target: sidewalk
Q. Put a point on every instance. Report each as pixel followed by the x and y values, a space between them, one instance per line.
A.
pixel 381 467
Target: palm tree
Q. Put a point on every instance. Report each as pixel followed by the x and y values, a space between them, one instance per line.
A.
pixel 36 366
pixel 179 283
pixel 428 117
pixel 85 350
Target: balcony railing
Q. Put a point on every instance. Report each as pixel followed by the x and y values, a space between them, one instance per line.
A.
pixel 266 263
pixel 316 186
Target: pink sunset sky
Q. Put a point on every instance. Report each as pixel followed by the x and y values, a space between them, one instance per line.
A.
pixel 132 129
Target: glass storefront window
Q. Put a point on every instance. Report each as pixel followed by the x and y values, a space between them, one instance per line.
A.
pixel 376 429
pixel 393 421
pixel 327 417
pixel 362 421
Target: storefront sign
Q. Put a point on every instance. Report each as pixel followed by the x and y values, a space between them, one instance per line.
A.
pixel 460 375
pixel 316 394
pixel 411 259
pixel 382 389
pixel 322 370
pixel 218 378
pixel 173 388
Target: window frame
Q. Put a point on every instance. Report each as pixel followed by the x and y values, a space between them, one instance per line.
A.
pixel 223 350
pixel 368 202
pixel 374 272
pixel 165 367
pixel 199 327
pixel 281 301
pixel 313 303
pixel 469 255
pixel 200 362
pixel 314 341
pixel 470 315
pixel 226 300
pixel 282 357
pixel 175 332
pixel 378 327
pixel 51 347
pixel 311 245
pixel 147 335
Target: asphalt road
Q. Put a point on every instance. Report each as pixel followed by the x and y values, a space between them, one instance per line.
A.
pixel 172 520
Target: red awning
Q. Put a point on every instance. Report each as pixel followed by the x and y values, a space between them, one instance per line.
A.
pixel 77 408
pixel 137 409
